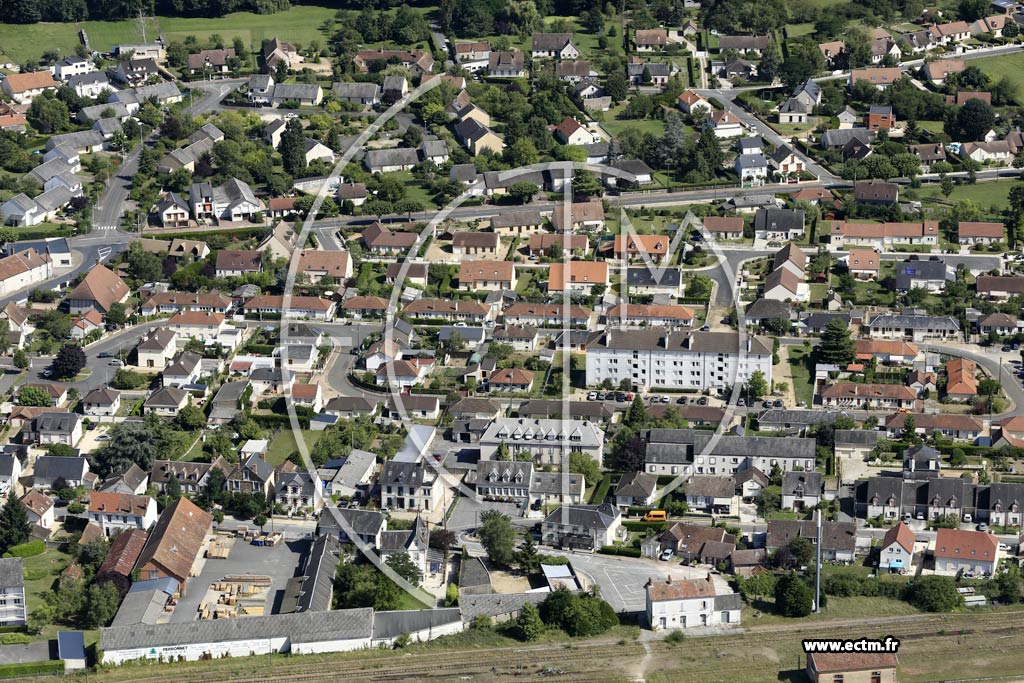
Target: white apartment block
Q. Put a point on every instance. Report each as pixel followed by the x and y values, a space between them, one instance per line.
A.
pixel 655 358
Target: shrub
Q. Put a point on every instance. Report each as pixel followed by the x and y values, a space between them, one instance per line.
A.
pixel 30 549
pixel 619 550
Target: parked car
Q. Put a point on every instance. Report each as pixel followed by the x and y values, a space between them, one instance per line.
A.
pixel 982 527
pixel 117 363
pixel 681 400
pixel 592 396
pixel 776 403
pixel 667 555
pixel 741 403
pixel 702 401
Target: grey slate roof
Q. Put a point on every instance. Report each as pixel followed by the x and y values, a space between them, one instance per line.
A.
pixel 388 625
pixel 916 322
pixel 586 516
pixel 496 604
pixel 808 482
pixel 319 569
pixel 711 487
pixel 306 627
pixel 11 573
pixel 55 466
pixel 767 309
pixel 651 277
pixel 667 445
pixel 362 522
pixel 362 91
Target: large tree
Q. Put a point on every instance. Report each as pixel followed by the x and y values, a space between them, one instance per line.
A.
pixel 69 361
pixel 793 597
pixel 15 528
pixel 935 594
pixel 974 119
pixel 836 346
pixel 498 537
pixel 293 148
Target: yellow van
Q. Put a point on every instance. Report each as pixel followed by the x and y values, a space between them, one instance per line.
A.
pixel 655 516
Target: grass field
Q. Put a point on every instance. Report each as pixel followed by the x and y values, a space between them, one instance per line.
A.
pixel 283 444
pixel 835 608
pixel 615 126
pixel 1011 65
pixel 300 25
pixel 986 193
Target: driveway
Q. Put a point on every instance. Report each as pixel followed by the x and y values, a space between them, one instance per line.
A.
pixel 621 580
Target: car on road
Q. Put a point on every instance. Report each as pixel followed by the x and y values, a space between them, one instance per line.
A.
pixel 117 363
pixel 667 555
pixel 105 354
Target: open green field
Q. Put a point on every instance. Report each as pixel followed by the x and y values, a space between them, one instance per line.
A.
pixel 986 193
pixel 1011 65
pixel 300 25
pixel 615 126
pixel 283 444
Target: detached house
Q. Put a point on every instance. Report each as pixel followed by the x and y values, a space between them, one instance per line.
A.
pixel 553 46
pixel 100 289
pixel 897 550
pixel 116 512
pixel 487 275
pixel 25 87
pixel 693 603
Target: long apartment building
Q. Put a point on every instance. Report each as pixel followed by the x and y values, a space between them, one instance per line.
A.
pixel 656 358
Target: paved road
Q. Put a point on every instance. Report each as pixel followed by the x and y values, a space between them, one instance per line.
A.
pixel 995 363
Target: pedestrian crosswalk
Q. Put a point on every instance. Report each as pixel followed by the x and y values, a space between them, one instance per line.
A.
pixel 104 227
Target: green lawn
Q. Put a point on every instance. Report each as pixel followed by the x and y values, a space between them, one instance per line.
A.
pixel 615 126
pixel 1011 65
pixel 413 191
pixel 300 24
pixel 835 608
pixel 803 387
pixel 986 193
pixel 283 444
pixel 797 30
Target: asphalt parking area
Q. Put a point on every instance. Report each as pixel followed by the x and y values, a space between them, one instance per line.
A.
pixel 280 563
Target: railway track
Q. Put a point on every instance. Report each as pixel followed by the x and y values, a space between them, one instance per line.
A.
pixel 589 661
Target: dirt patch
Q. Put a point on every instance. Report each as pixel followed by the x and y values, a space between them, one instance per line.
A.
pixel 504 582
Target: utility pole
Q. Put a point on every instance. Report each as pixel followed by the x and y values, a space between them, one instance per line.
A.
pixel 817 570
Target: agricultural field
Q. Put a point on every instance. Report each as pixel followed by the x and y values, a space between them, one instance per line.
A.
pixel 300 24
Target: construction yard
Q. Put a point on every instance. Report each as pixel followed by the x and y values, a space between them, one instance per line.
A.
pixel 241 578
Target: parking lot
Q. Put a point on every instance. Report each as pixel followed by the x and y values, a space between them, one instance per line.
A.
pixel 280 563
pixel 622 579
pixel 467 512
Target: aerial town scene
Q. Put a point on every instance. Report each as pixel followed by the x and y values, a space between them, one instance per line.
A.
pixel 468 340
